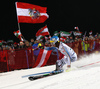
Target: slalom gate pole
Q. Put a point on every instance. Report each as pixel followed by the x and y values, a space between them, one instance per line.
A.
pixel 27 59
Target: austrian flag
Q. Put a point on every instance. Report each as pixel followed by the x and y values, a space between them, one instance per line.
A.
pixel 43 31
pixel 42 58
pixel 30 13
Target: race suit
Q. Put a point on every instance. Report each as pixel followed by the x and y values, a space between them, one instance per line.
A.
pixel 69 56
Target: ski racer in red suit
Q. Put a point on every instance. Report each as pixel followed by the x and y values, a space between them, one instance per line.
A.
pixel 69 54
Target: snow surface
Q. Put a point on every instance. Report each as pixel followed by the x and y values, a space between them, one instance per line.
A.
pixel 87 77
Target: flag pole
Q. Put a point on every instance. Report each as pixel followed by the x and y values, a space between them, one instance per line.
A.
pixel 84 35
pixel 17 16
pixel 19 26
pixel 17 19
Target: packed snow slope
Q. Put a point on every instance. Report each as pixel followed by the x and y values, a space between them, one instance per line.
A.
pixel 85 74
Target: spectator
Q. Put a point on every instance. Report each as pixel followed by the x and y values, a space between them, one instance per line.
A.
pixel 70 44
pixel 90 36
pixel 41 45
pixel 47 44
pixel 85 46
pixel 91 42
pixel 10 43
pixel 4 47
pixel 4 53
pixel 27 44
pixel 32 42
pixel 15 45
pixel 96 36
pixel 21 44
pixel 71 39
pixel 99 36
pixel 80 46
pixel 76 45
pixel 67 40
pixel 94 44
pixel 97 47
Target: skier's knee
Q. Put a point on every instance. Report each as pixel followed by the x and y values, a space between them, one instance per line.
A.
pixel 74 58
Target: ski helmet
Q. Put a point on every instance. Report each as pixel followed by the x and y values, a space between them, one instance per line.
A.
pixel 54 39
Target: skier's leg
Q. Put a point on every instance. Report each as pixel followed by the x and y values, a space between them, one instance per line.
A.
pixel 58 65
pixel 67 61
pixel 74 57
pixel 62 62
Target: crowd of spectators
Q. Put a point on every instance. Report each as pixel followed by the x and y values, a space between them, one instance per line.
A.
pixel 10 44
pixel 81 45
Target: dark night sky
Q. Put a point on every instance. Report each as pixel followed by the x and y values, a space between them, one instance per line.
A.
pixel 63 15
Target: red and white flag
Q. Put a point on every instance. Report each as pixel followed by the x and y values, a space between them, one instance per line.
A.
pixel 30 13
pixel 62 39
pixel 77 33
pixel 43 31
pixel 42 58
pixel 76 28
pixel 18 34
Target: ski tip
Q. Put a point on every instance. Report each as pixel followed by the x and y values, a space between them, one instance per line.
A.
pixel 31 78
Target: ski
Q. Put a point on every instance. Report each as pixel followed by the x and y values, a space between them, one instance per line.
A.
pixel 31 78
pixel 36 74
pixel 44 73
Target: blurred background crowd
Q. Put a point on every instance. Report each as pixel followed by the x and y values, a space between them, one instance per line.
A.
pixel 81 45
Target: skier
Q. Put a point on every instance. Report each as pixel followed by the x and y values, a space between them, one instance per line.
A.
pixel 69 54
